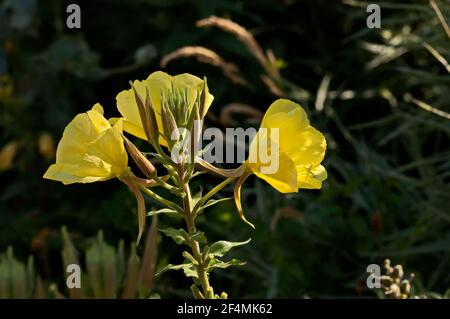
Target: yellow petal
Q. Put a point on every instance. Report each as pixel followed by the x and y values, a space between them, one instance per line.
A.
pixel 193 85
pixel 300 141
pixel 306 148
pixel 284 179
pixel 83 129
pixel 90 150
pixel 285 114
pixel 311 178
pixel 97 107
pixel 301 148
pixel 77 173
pixel 129 127
pixel 109 147
pixel 126 104
pixel 134 129
pixel 157 84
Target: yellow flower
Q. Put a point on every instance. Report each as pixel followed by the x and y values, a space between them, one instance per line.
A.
pixel 90 150
pixel 299 146
pixel 158 84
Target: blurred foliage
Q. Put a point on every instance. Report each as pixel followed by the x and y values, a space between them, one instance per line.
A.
pixel 381 96
pixel 108 274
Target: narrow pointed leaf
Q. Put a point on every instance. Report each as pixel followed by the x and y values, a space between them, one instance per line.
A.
pixel 171 267
pixel 212 202
pixel 215 263
pixel 220 248
pixel 178 235
pixel 165 211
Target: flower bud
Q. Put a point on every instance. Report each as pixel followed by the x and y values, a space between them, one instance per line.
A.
pixel 143 114
pixel 153 124
pixel 170 126
pixel 141 161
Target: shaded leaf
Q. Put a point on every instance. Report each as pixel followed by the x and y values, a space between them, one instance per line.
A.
pixel 216 263
pixel 212 202
pixel 165 211
pixel 220 248
pixel 178 235
pixel 188 269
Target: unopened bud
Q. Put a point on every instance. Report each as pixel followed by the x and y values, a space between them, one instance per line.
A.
pixel 143 114
pixel 151 114
pixel 141 161
pixel 169 123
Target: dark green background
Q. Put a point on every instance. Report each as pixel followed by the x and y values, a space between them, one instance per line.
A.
pixel 388 160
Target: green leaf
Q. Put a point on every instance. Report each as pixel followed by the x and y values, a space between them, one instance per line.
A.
pixel 197 196
pixel 170 267
pixel 190 271
pixel 178 235
pixel 216 263
pixel 187 267
pixel 165 211
pixel 212 202
pixel 198 236
pixel 189 257
pixel 220 248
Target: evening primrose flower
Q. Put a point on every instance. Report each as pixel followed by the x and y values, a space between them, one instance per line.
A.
pixel 299 148
pixel 160 88
pixel 90 150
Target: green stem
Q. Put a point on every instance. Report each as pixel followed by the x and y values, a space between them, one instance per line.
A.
pixel 195 246
pixel 211 193
pixel 161 199
pixel 173 189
